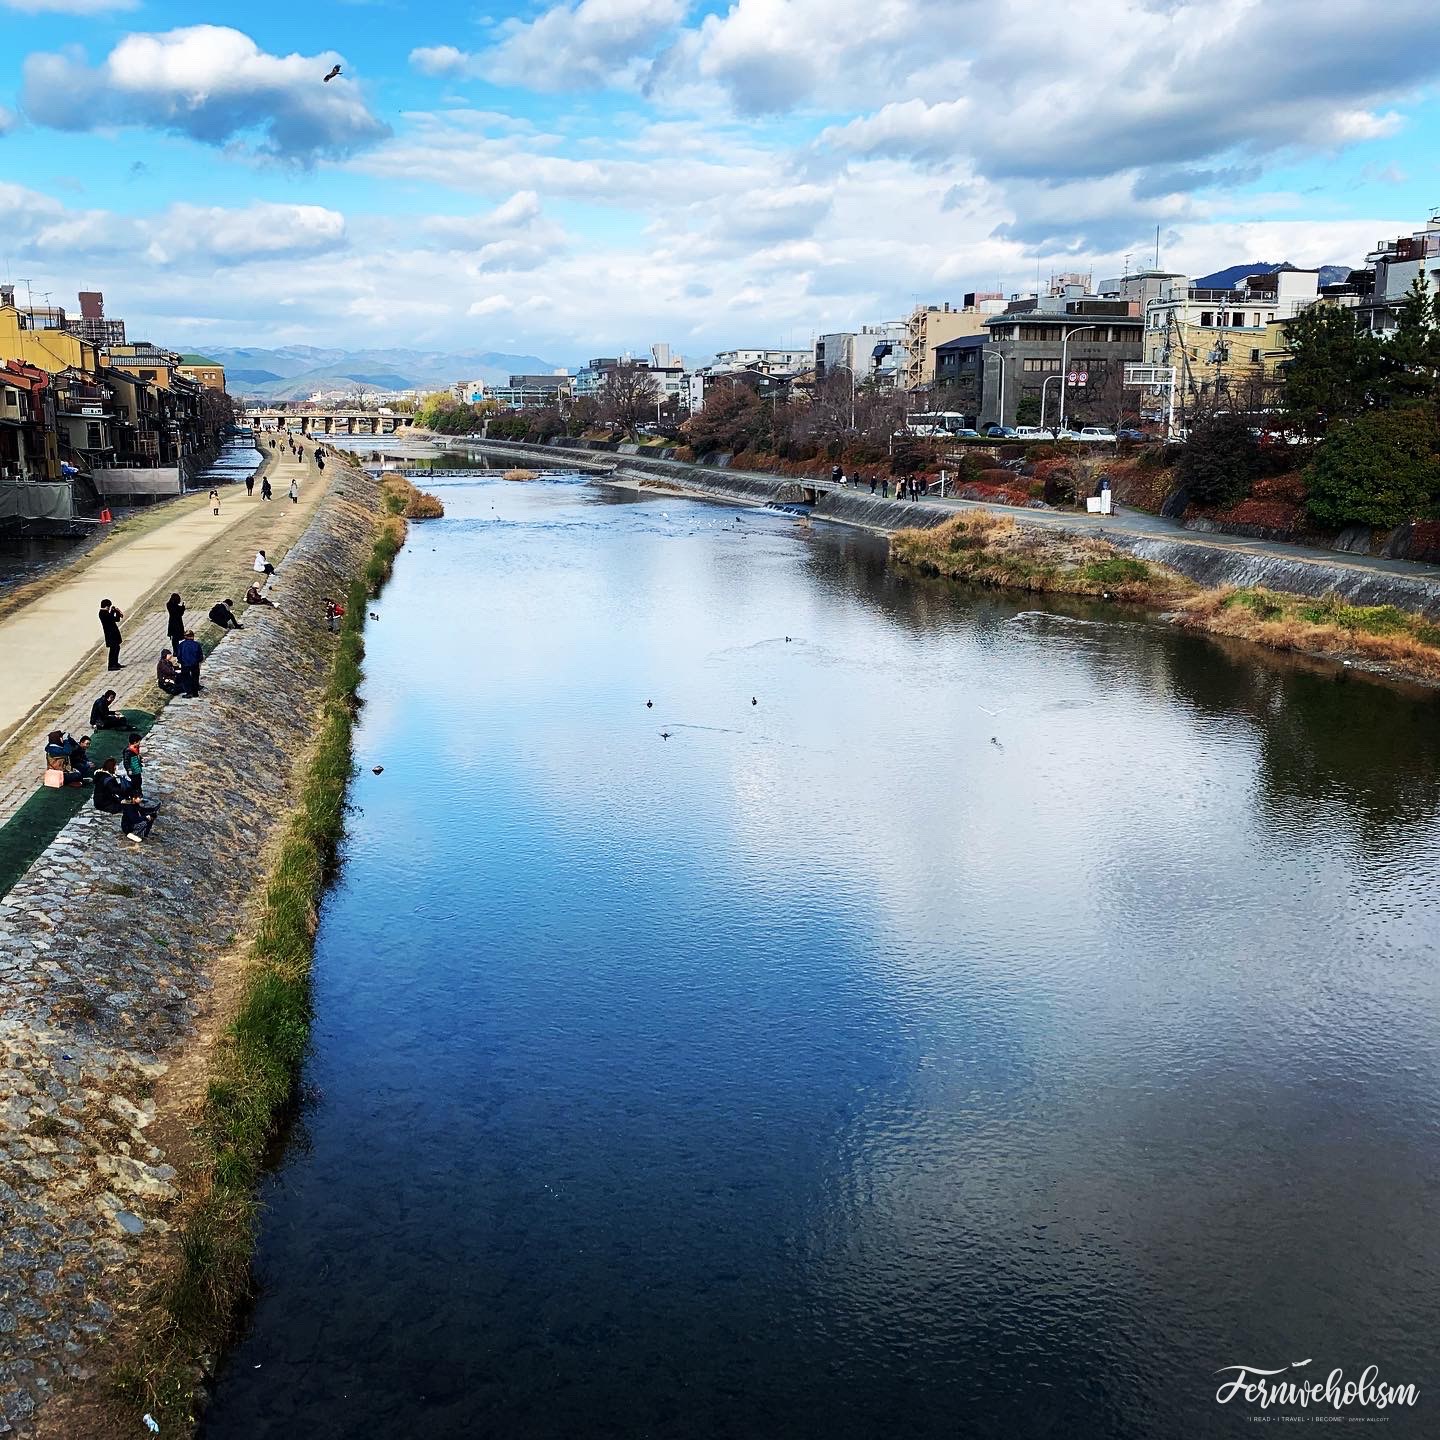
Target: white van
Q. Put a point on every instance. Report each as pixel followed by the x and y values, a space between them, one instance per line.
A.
pixel 1031 432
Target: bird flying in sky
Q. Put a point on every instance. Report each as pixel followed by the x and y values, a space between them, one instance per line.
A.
pixel 335 70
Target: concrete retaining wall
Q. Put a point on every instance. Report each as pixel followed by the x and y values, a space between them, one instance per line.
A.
pixel 105 956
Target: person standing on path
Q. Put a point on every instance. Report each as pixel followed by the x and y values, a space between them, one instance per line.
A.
pixel 294 492
pixel 189 652
pixel 215 502
pixel 265 491
pixel 110 619
pixel 175 624
pixel 249 487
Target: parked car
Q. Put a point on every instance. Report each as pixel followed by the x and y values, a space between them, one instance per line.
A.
pixel 1031 432
pixel 1135 435
pixel 1098 433
pixel 999 432
pixel 966 434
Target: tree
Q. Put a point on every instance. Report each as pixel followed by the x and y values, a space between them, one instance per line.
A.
pixel 1412 353
pixel 731 420
pixel 1221 462
pixel 627 397
pixel 1335 370
pixel 1381 469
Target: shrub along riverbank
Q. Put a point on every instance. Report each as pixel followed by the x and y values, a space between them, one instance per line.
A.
pixel 192 1310
pixel 994 550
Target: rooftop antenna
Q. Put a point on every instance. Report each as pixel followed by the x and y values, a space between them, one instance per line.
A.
pixel 1157 247
pixel 1127 262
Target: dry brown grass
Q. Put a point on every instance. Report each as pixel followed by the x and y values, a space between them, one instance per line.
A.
pixel 1378 635
pixel 988 549
pixel 985 549
pixel 400 497
pixel 519 473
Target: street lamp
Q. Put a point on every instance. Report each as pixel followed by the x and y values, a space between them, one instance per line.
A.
pixel 995 355
pixel 851 369
pixel 1043 384
pixel 1064 349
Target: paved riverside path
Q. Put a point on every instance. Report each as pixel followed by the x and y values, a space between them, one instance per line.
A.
pixel 45 640
pixel 1128 524
pixel 207 559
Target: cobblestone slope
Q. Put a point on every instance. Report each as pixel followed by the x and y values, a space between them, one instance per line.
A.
pixel 105 954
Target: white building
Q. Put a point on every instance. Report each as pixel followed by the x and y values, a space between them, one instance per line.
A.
pixel 468 392
pixel 874 354
pixel 1256 303
pixel 1397 265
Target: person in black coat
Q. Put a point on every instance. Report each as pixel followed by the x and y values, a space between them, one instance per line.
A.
pixel 114 797
pixel 110 619
pixel 223 614
pixel 102 717
pixel 175 624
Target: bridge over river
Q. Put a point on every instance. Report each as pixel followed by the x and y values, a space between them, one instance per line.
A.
pixel 330 422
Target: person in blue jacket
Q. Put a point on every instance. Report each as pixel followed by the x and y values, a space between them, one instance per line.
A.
pixel 190 654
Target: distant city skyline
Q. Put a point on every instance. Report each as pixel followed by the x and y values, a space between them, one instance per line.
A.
pixel 586 178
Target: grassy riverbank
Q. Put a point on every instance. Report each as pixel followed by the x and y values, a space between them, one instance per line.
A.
pixel 988 549
pixel 191 1311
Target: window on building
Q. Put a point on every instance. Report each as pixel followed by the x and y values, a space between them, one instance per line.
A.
pixel 1256 321
pixel 92 436
pixel 1207 317
pixel 1254 357
pixel 147 374
pixel 1269 317
pixel 1041 367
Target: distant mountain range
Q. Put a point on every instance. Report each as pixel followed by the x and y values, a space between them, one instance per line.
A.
pixel 1232 275
pixel 293 372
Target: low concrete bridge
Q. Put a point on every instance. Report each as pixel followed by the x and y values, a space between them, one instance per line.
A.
pixel 329 422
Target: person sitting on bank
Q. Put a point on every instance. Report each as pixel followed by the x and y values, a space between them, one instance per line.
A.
pixel 167 672
pixel 190 653
pixel 254 597
pixel 114 797
pixel 262 565
pixel 223 614
pixel 102 717
pixel 59 747
pixel 134 765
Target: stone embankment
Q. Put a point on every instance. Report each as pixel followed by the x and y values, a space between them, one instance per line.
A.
pixel 108 953
pixel 1210 560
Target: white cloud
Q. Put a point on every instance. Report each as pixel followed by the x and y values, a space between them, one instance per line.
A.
pixel 904 127
pixel 258 231
pixel 210 83
pixel 440 60
pixel 593 44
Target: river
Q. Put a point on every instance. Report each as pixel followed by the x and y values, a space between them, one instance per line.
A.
pixel 977 1018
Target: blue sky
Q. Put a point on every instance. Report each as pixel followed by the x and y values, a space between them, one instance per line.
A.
pixel 581 178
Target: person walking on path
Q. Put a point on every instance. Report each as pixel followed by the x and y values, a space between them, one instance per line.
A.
pixel 190 653
pixel 223 615
pixel 215 502
pixel 110 619
pixel 294 492
pixel 265 491
pixel 249 487
pixel 175 625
